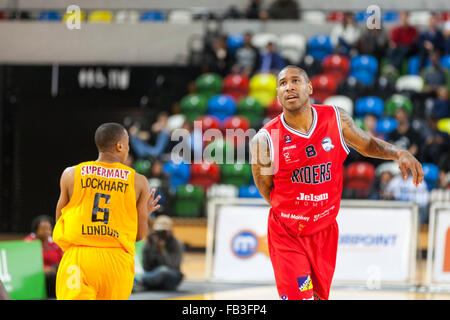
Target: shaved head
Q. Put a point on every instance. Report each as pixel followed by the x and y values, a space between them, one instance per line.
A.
pixel 107 135
pixel 302 72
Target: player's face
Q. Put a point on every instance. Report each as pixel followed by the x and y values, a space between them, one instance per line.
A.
pixel 293 90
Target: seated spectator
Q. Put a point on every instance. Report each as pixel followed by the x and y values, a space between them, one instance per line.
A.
pixel 405 136
pixel 373 42
pixel 436 142
pixel 429 40
pixel 405 190
pixel 254 11
pixel 441 192
pixel 380 192
pixel 42 227
pixel 284 9
pixel 218 58
pixel 271 60
pixel 139 139
pixel 162 255
pixel 345 36
pixel 402 38
pixel 434 76
pixel 441 105
pixel 246 57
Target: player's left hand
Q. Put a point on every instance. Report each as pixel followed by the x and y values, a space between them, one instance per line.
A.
pixel 407 161
pixel 153 202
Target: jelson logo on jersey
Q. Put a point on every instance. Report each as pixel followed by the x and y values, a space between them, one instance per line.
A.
pixel 327 144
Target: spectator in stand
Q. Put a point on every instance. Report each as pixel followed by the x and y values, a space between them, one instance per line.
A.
pixel 42 227
pixel 447 37
pixel 254 11
pixel 141 141
pixel 434 76
pixel 218 58
pixel 429 40
pixel 345 36
pixel 402 39
pixel 441 105
pixel 380 192
pixel 246 57
pixel 436 142
pixel 271 60
pixel 405 136
pixel 405 190
pixel 162 255
pixel 370 123
pixel 284 9
pixel 373 42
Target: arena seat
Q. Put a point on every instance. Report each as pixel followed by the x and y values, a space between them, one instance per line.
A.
pixel 82 16
pixel 237 174
pixel 219 151
pixel 235 41
pixel 314 17
pixel 236 85
pixel 386 125
pixel 274 109
pixel 209 122
pixel 221 106
pixel 209 84
pixel 390 166
pixel 3 15
pixel 351 87
pixel 358 178
pixel 261 39
pixel 319 46
pixel 222 191
pixel 153 16
pixel 338 65
pixel 444 125
pixel 335 16
pixel 364 68
pixel 100 16
pixel 126 16
pixel 445 61
pixel 341 101
pixel 193 106
pixel 370 104
pixel 324 86
pixel 411 83
pixel 397 101
pixel 413 65
pixel 250 191
pixel 49 16
pixel 180 16
pixel 263 87
pixel 178 172
pixel 361 16
pixel 431 174
pixel 142 166
pixel 390 16
pixel 293 47
pixel 204 174
pixel 310 65
pixel 239 126
pixel 383 87
pixel 175 121
pixel 252 109
pixel 419 18
pixel 189 201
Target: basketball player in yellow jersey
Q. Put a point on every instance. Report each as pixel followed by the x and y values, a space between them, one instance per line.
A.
pixel 102 211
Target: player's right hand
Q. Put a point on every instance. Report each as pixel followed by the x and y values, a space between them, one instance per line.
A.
pixel 152 203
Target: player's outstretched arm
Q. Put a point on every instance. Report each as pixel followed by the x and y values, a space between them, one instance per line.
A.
pixel 146 203
pixel 370 146
pixel 66 188
pixel 262 167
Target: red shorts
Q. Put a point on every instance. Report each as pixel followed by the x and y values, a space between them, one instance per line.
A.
pixel 303 265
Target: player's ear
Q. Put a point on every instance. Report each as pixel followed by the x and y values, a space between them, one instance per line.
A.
pixel 119 146
pixel 310 88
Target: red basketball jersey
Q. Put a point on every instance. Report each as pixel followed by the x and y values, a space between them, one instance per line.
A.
pixel 308 173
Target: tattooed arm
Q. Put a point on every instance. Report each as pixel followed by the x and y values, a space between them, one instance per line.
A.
pixel 370 146
pixel 262 168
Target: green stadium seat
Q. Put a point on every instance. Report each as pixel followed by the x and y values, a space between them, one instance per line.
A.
pixel 142 166
pixel 219 150
pixel 209 84
pixel 193 106
pixel 189 201
pixel 252 109
pixel 397 101
pixel 237 174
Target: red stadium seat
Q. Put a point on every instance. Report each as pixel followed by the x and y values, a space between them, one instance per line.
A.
pixel 337 65
pixel 209 122
pixel 359 177
pixel 205 174
pixel 335 16
pixel 274 109
pixel 236 85
pixel 235 123
pixel 324 86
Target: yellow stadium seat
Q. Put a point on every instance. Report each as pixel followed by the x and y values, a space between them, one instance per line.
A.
pixel 444 125
pixel 101 17
pixel 73 14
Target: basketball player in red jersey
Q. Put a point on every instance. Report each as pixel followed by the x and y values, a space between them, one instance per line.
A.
pixel 297 161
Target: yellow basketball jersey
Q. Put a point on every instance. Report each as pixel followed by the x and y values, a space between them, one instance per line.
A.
pixel 102 210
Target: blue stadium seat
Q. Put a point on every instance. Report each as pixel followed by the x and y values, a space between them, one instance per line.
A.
pixel 431 174
pixel 445 61
pixel 413 65
pixel 249 192
pixel 364 68
pixel 390 16
pixel 386 125
pixel 320 46
pixel 49 16
pixel 235 41
pixel 361 16
pixel 152 15
pixel 370 104
pixel 221 106
pixel 179 173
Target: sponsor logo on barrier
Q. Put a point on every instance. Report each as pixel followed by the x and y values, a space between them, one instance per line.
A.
pixel 284 297
pixel 368 240
pixel 304 283
pixel 246 243
pixel 446 266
